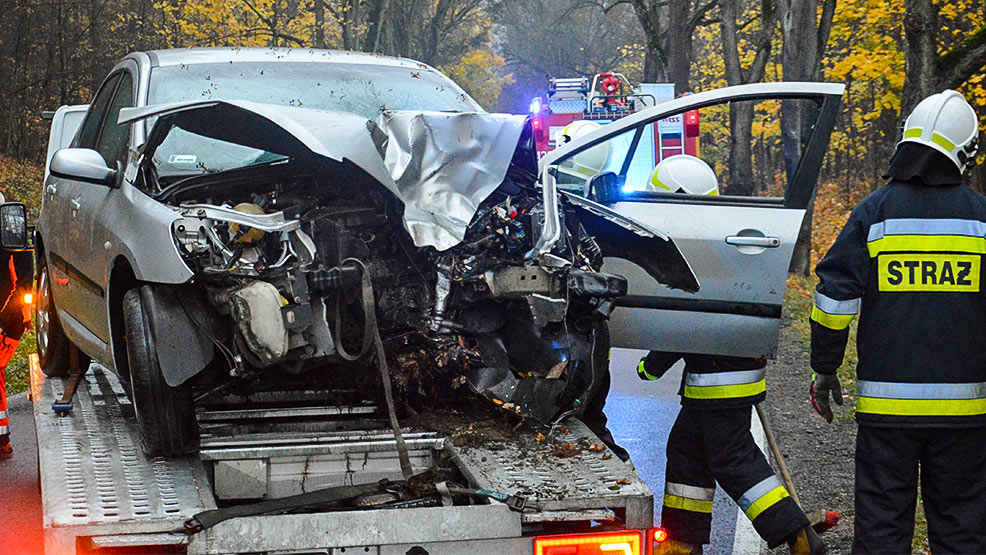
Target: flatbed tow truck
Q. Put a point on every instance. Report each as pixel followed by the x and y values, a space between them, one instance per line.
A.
pixel 564 493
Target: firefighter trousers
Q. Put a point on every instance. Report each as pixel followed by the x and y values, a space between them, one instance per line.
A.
pixel 715 445
pixel 952 464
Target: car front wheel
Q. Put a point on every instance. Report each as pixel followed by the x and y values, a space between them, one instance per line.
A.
pixel 165 414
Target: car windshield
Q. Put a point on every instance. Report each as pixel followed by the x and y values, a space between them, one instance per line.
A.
pixel 361 89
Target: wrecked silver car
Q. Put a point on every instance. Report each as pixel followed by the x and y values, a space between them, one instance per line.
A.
pixel 365 216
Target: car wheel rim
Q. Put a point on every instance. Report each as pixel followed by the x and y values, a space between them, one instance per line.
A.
pixel 44 314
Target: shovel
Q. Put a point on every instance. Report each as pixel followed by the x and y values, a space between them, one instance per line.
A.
pixel 821 521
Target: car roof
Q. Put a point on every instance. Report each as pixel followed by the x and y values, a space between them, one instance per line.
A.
pixel 179 56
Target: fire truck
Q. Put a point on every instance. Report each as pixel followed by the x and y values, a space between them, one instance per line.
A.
pixel 557 117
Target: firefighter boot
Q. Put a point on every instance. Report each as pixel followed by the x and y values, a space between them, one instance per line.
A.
pixel 806 542
pixel 675 547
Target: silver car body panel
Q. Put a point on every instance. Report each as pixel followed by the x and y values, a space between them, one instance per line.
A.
pixel 440 165
pixel 737 311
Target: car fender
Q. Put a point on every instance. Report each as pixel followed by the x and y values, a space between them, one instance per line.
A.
pixel 182 346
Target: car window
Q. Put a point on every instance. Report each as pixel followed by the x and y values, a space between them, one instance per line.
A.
pixel 97 110
pixel 746 163
pixel 112 143
pixel 184 153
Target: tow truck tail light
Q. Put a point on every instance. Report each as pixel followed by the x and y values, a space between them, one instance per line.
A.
pixel 607 543
pixel 28 298
pixel 655 537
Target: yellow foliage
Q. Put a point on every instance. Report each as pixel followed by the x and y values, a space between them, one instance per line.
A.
pixel 480 73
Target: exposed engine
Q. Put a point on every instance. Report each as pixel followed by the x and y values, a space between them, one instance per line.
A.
pixel 305 273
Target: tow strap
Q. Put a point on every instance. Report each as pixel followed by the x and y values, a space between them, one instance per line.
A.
pixel 208 519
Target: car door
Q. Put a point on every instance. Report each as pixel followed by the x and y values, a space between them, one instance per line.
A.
pixel 66 242
pixel 739 243
pixel 95 208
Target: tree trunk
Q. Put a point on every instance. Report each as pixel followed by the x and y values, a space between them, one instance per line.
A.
pixel 319 23
pixel 920 54
pixel 680 45
pixel 654 71
pixel 740 180
pixel 804 40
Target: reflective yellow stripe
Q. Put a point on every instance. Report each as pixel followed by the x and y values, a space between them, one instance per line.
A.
pixel 685 504
pixel 831 321
pixel 725 391
pixel 766 501
pixel 916 132
pixel 925 243
pixel 921 407
pixel 644 374
pixel 942 142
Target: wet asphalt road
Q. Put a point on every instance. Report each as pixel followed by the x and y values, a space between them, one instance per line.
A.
pixel 640 416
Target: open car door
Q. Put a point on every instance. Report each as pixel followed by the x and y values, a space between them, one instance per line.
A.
pixel 739 242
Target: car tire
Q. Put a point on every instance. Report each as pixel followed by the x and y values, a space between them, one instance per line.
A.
pixel 165 414
pixel 53 346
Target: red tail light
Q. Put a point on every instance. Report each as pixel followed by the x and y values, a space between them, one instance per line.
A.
pixel 606 543
pixel 691 123
pixel 655 537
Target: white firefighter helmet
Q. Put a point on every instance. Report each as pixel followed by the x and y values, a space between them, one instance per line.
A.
pixel 684 173
pixel 946 123
pixel 591 161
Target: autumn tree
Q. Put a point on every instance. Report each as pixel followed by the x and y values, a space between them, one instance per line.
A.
pixel 669 26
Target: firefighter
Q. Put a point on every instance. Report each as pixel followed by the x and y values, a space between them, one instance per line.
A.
pixel 13 322
pixel 711 441
pixel 909 261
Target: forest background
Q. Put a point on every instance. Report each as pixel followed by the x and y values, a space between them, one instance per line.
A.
pixel 889 53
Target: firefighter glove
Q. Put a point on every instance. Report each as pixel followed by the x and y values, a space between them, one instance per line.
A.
pixel 821 386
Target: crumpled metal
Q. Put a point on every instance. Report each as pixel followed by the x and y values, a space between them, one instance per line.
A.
pixel 444 165
pixel 440 165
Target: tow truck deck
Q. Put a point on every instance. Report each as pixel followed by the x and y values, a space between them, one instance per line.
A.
pixel 100 492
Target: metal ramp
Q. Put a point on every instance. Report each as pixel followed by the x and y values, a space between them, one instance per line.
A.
pixel 100 491
pixel 98 488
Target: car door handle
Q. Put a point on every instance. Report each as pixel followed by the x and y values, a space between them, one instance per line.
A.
pixel 747 241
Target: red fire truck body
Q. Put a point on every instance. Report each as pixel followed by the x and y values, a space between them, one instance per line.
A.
pixel 573 99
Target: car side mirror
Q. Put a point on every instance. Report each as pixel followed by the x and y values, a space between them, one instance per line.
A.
pixel 13 226
pixel 82 164
pixel 605 188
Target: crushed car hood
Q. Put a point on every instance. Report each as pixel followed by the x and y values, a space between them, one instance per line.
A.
pixel 440 165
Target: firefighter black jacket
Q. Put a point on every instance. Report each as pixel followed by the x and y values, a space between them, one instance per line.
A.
pixel 909 262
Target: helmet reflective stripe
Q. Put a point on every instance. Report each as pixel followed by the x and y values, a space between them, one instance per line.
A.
pixel 947 123
pixel 683 173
